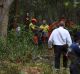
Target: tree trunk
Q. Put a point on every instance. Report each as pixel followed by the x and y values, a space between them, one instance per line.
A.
pixel 16 14
pixel 4 24
pixel 4 11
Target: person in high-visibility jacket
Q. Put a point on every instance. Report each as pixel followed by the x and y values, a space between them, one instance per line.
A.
pixel 32 25
pixel 44 27
pixel 33 29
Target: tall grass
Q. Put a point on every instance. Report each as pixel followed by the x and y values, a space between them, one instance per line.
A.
pixel 17 46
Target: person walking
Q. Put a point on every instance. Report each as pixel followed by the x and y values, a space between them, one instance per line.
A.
pixel 33 28
pixel 61 40
pixel 44 27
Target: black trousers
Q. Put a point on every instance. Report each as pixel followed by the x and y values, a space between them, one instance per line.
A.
pixel 58 50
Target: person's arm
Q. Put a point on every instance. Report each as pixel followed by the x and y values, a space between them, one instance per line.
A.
pixel 69 40
pixel 50 41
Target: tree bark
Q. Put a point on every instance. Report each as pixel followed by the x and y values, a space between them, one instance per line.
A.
pixel 4 11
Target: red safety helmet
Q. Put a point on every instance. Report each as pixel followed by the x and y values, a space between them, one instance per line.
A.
pixel 34 20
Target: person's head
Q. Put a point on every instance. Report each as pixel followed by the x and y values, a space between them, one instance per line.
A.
pixel 44 22
pixel 34 21
pixel 62 23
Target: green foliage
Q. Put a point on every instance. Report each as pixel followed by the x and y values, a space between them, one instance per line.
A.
pixel 3 52
pixel 49 9
pixel 19 45
pixel 16 47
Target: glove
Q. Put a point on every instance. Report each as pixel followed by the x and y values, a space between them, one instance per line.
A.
pixel 68 52
pixel 69 49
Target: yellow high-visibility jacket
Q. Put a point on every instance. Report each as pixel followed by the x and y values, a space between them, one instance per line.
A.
pixel 44 27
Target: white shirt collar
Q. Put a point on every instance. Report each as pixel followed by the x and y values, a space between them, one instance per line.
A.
pixel 61 27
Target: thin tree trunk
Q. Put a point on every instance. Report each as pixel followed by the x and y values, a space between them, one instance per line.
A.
pixel 16 14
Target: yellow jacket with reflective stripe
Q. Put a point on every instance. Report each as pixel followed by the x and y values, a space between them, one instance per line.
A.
pixel 44 27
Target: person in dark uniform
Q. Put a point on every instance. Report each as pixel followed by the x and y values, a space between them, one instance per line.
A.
pixel 74 56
